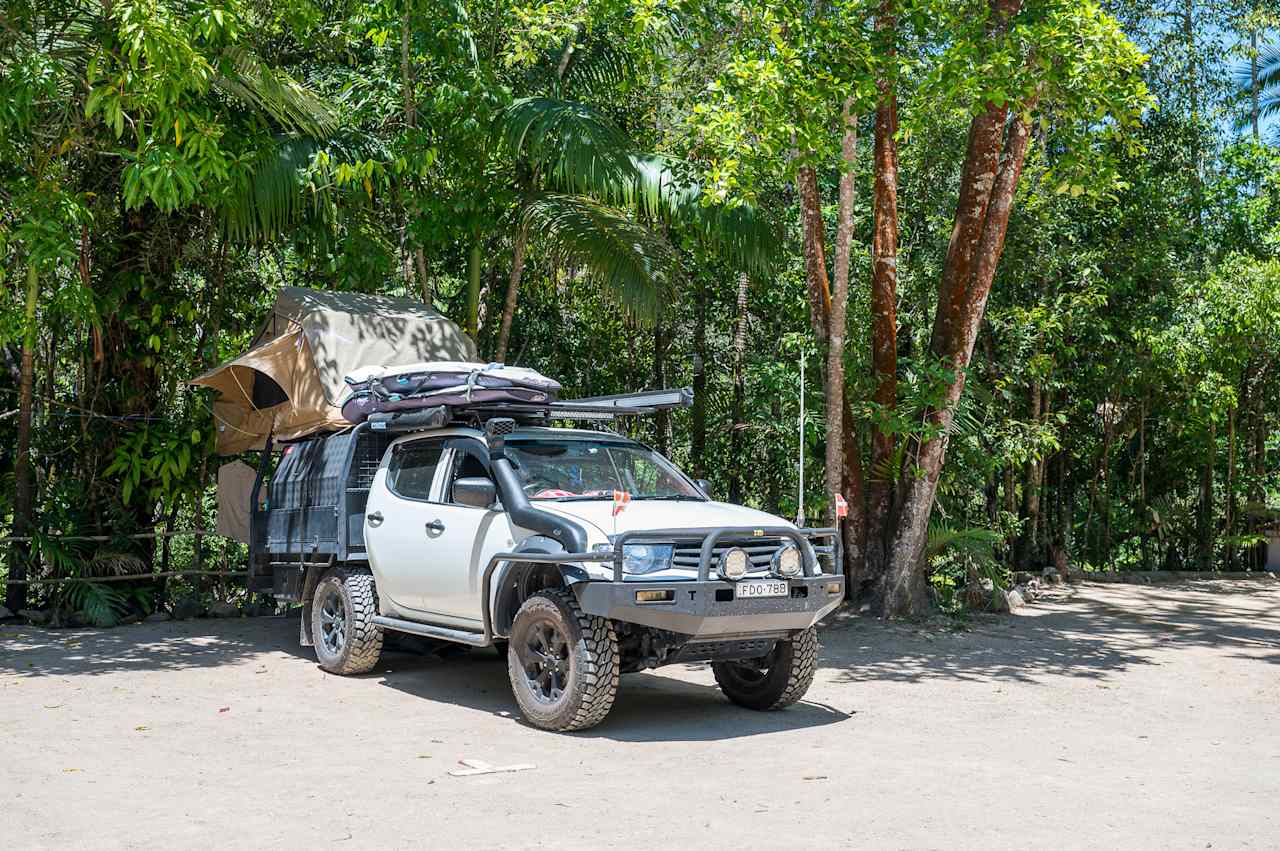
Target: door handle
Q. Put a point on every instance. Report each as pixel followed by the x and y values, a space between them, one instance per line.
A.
pixel 435 526
pixel 375 519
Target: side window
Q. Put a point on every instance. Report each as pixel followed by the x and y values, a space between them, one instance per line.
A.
pixel 413 468
pixel 467 463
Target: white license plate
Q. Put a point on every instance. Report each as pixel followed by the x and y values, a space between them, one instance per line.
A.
pixel 763 588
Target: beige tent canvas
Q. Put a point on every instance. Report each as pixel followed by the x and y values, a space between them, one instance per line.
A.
pixel 291 383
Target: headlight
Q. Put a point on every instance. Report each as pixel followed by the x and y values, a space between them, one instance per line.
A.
pixel 734 563
pixel 787 562
pixel 639 559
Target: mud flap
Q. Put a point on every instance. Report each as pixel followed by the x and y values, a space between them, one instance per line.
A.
pixel 309 583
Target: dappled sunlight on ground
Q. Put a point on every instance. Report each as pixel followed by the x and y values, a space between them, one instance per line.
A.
pixel 1126 700
pixel 1094 631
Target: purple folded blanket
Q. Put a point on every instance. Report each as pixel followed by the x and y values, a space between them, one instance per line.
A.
pixel 409 388
pixel 359 406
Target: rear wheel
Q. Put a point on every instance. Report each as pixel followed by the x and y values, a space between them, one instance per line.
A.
pixel 342 611
pixel 775 681
pixel 563 664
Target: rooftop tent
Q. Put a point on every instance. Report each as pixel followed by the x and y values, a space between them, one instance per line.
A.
pixel 292 380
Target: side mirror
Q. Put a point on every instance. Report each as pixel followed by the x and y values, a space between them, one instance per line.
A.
pixel 476 491
pixel 704 486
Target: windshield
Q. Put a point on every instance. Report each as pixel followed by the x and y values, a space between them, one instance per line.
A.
pixel 567 470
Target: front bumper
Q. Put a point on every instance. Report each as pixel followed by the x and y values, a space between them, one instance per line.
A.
pixel 703 608
pixel 711 609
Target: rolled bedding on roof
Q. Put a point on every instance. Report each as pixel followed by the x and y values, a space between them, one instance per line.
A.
pixel 377 389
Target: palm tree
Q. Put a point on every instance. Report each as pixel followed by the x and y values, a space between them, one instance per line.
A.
pixel 595 203
pixel 1258 77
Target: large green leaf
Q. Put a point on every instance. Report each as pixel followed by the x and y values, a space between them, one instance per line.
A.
pixel 576 147
pixel 247 79
pixel 277 192
pixel 634 264
pixel 668 189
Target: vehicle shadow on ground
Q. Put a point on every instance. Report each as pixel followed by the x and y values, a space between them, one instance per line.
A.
pixel 1094 633
pixel 170 646
pixel 650 707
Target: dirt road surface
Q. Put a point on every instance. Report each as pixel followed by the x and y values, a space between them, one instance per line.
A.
pixel 1108 717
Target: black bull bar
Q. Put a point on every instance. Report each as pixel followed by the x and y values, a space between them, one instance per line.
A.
pixel 709 537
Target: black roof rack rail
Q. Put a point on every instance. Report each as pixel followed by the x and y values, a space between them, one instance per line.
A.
pixel 642 402
pixel 595 408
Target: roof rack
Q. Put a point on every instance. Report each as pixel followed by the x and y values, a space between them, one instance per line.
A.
pixel 594 408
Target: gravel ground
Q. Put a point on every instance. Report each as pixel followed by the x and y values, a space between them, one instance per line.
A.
pixel 1105 717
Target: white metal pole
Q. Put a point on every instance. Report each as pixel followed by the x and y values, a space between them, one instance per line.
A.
pixel 800 509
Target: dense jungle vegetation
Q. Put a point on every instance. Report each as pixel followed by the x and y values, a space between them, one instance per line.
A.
pixel 1027 251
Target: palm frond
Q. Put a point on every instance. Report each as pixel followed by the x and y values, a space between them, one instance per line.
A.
pixel 246 78
pixel 103 605
pixel 668 188
pixel 276 192
pixel 973 541
pixel 112 562
pixel 1268 68
pixel 635 265
pixel 576 146
pixel 1269 102
pixel 599 66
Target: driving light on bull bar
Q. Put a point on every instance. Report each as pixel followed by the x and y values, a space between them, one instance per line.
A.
pixel 787 562
pixel 660 595
pixel 734 563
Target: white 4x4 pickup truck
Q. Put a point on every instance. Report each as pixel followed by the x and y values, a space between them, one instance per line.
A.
pixel 587 555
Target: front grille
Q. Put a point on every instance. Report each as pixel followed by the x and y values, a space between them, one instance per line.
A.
pixel 759 550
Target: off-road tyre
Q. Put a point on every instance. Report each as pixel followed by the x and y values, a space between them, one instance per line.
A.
pixel 774 682
pixel 353 645
pixel 587 654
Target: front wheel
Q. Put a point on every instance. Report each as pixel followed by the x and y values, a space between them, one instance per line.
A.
pixel 342 611
pixel 563 663
pixel 775 681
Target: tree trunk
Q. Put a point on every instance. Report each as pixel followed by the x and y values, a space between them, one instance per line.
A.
pixel 513 288
pixel 989 182
pixel 661 419
pixel 698 438
pixel 991 499
pixel 739 391
pixel 815 254
pixel 884 303
pixel 854 528
pixel 1253 84
pixel 413 261
pixel 1229 520
pixel 820 303
pixel 1028 541
pixel 472 323
pixel 1205 518
pixel 424 280
pixel 1257 469
pixel 773 491
pixel 1107 440
pixel 23 486
pixel 834 461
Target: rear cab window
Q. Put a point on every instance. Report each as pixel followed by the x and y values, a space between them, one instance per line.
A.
pixel 413 468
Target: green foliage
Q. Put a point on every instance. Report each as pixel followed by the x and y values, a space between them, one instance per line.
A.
pixel 154 462
pixel 635 265
pixel 167 165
